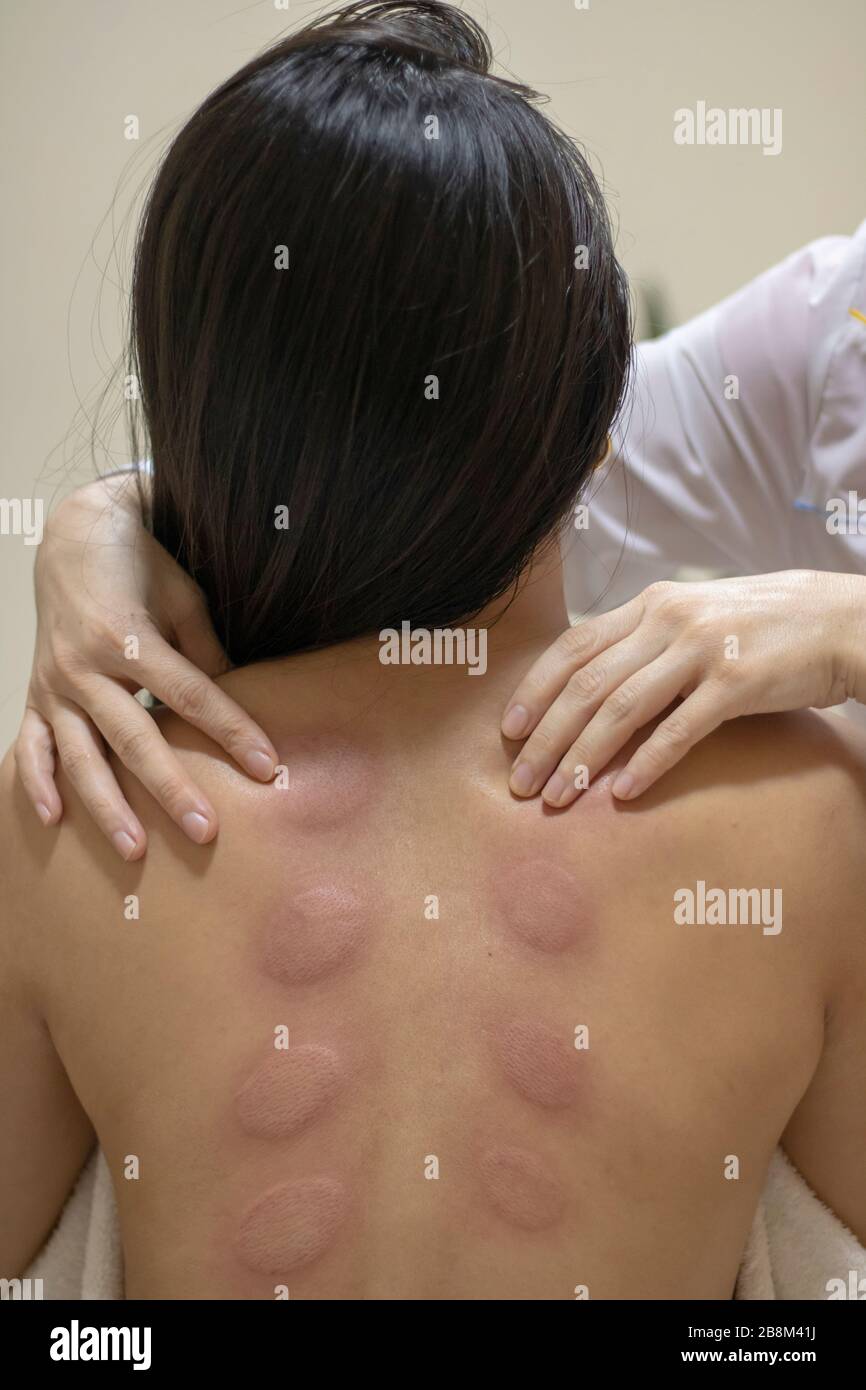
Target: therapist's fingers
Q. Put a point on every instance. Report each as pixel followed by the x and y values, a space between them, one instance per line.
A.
pixel 136 739
pixel 198 700
pixel 82 754
pixel 685 726
pixel 627 708
pixel 582 695
pixel 548 676
pixel 34 760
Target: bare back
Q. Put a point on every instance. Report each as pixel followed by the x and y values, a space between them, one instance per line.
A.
pixel 398 1035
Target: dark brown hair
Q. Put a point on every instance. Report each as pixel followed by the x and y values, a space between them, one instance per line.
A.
pixel 428 384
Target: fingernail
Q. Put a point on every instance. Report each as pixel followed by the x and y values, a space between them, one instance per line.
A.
pixel 43 812
pixel 196 826
pixel 555 789
pixel 623 785
pixel 123 843
pixel 522 779
pixel 515 721
pixel 260 765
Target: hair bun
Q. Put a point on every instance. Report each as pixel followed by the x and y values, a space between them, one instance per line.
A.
pixel 432 32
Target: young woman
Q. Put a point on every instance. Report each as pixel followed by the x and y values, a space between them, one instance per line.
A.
pixel 395 1033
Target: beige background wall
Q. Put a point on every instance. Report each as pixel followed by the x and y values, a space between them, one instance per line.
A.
pixel 695 221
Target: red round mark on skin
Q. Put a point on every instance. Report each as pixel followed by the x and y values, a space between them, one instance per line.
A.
pixel 292 1225
pixel 543 905
pixel 327 781
pixel 288 1091
pixel 541 1064
pixel 521 1188
pixel 319 931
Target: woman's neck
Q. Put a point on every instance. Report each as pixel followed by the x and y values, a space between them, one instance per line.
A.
pixel 416 681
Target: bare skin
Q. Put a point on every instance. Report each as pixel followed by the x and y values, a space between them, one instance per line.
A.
pixel 450 1039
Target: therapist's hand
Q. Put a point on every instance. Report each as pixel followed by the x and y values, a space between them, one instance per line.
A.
pixel 102 580
pixel 725 648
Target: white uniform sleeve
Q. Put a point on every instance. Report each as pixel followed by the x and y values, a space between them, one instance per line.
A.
pixel 735 420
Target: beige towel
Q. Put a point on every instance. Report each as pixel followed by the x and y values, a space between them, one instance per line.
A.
pixel 796 1247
